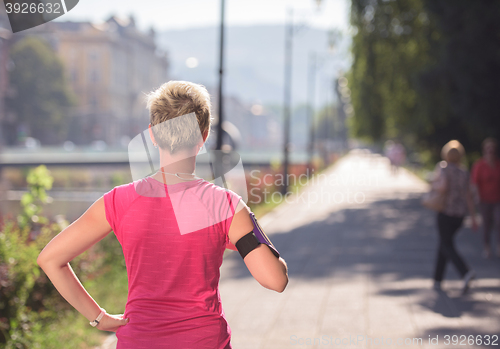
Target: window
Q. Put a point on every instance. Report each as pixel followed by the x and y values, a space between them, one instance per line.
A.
pixel 94 75
pixel 93 55
pixel 94 102
pixel 74 75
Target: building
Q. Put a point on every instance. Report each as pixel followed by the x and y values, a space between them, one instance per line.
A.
pixel 249 127
pixel 110 67
pixel 5 35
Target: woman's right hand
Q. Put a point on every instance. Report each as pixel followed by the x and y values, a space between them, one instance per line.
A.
pixel 111 323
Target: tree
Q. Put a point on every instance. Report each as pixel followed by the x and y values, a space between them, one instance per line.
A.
pixel 466 68
pixel 41 97
pixel 425 70
pixel 390 48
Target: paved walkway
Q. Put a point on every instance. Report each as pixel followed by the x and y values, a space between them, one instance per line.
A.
pixel 360 251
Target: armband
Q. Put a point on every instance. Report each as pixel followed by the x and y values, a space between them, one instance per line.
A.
pixel 247 244
pixel 253 239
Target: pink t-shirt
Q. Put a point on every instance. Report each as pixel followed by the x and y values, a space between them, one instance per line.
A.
pixel 487 179
pixel 173 238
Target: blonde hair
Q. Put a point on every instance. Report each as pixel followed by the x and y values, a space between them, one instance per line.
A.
pixel 173 99
pixel 453 151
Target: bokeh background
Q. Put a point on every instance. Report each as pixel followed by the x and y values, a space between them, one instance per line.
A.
pixel 304 83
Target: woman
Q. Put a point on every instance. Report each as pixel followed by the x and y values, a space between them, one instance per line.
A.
pixel 486 178
pixel 453 182
pixel 173 271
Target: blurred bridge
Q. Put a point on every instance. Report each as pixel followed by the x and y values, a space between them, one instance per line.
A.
pixel 52 156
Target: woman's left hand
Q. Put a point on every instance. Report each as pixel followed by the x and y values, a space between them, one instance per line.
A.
pixel 111 323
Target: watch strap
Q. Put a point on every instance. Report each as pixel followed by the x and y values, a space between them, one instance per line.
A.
pixel 98 319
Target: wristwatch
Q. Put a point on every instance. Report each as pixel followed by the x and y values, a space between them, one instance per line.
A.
pixel 96 321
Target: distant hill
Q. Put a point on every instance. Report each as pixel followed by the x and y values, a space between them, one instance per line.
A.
pixel 254 59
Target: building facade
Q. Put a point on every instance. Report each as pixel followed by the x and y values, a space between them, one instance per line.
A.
pixel 110 67
pixel 5 36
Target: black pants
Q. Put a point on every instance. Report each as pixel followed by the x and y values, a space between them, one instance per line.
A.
pixel 448 227
pixel 491 219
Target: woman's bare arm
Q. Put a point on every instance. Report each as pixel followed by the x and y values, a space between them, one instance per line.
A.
pixel 269 271
pixel 54 259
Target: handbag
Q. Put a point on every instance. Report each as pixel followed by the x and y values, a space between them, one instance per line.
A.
pixel 435 199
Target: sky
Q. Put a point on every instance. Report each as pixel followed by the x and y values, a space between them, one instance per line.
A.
pixel 182 14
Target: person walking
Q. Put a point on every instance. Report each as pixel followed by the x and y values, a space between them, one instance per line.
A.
pixel 486 178
pixel 453 183
pixel 173 228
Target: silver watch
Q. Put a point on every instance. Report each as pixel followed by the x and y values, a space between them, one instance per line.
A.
pixel 96 321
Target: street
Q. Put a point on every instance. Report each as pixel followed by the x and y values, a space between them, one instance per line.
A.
pixel 361 270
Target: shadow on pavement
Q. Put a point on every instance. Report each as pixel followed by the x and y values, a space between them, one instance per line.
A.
pixel 391 240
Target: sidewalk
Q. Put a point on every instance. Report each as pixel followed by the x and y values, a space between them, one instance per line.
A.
pixel 360 251
pixel 359 270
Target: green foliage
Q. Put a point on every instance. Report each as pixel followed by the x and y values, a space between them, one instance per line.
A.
pixel 41 96
pixel 32 312
pixel 327 123
pixel 390 48
pixel 118 178
pixel 39 180
pixel 21 284
pixel 463 83
pixel 425 71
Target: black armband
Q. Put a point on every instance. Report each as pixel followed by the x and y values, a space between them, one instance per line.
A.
pixel 247 244
pixel 253 239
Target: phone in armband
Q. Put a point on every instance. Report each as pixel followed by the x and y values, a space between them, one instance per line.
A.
pixel 253 239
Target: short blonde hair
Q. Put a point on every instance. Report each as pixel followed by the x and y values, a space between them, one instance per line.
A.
pixel 173 99
pixel 453 151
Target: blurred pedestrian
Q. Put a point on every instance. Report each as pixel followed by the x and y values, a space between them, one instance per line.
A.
pixel 399 155
pixel 486 178
pixel 389 150
pixel 453 182
pixel 396 153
